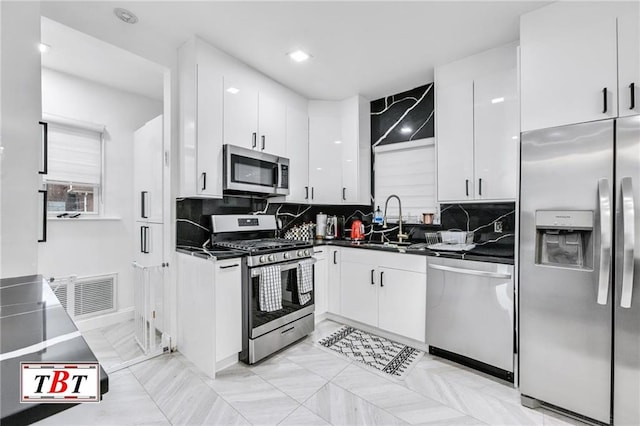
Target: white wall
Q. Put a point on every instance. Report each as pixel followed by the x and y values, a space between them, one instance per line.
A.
pixel 20 137
pixel 92 247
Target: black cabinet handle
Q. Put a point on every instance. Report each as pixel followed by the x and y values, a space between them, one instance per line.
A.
pixel 204 181
pixel 335 262
pixel 263 139
pixel 306 192
pixel 254 138
pixel 604 100
pixel 229 266
pixel 143 206
pixel 142 239
pixel 632 100
pixel 480 186
pixel 344 194
pixel 312 192
pixel 466 185
pixel 44 216
pixel 372 271
pixel 381 278
pixel 45 148
pixel 146 239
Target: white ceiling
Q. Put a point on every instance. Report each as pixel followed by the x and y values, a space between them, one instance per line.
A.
pixel 375 48
pixel 79 54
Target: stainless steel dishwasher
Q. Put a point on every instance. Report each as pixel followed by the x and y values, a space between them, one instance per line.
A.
pixel 470 314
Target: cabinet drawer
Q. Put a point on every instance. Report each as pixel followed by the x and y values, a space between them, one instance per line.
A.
pixel 402 261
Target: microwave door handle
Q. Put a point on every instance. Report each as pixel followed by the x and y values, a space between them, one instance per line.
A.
pixel 629 239
pixel 276 176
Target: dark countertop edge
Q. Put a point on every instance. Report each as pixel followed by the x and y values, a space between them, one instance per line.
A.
pixel 425 252
pixel 205 256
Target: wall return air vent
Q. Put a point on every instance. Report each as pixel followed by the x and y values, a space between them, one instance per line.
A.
pixel 86 296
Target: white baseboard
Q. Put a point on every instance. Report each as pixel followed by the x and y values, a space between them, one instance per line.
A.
pixel 105 320
pixel 227 362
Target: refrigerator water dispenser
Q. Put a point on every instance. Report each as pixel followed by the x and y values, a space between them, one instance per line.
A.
pixel 564 238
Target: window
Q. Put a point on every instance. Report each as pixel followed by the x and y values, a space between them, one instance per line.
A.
pixel 406 169
pixel 74 178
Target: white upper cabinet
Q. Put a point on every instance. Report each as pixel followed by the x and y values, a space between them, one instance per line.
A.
pixel 340 151
pixel 240 113
pixel 629 59
pixel 201 99
pixel 477 127
pixel 297 142
pixel 496 125
pixel 571 57
pixel 148 154
pixel 272 124
pixel 454 124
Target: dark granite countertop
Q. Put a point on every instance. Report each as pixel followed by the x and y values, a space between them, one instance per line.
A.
pixel 34 327
pixel 496 254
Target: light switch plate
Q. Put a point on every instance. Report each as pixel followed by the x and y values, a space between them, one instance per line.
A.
pixel 497 226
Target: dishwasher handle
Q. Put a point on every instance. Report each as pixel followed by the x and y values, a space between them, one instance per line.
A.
pixel 486 274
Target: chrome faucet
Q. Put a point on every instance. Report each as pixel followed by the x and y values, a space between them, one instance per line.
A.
pixel 401 236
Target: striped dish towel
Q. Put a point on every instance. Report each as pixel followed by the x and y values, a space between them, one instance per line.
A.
pixel 270 286
pixel 305 281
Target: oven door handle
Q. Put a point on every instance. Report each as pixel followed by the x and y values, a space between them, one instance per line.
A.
pixel 255 272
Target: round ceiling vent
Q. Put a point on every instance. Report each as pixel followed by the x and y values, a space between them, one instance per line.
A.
pixel 125 15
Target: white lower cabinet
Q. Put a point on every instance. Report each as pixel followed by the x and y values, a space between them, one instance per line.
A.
pixel 385 290
pixel 334 280
pixel 209 311
pixel 402 302
pixel 320 281
pixel 228 296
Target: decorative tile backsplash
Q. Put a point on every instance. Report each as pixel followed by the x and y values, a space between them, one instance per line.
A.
pixel 403 117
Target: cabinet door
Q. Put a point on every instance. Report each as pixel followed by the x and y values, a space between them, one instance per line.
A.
pixel 568 58
pixel 272 124
pixel 148 169
pixel 496 136
pixel 148 243
pixel 228 303
pixel 402 302
pixel 334 281
pixel 321 281
pixel 629 58
pixel 195 316
pixel 325 164
pixel 359 292
pixel 209 127
pixel 454 138
pixel 298 154
pixel 356 148
pixel 240 113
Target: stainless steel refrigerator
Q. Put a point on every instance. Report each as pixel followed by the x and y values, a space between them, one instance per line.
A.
pixel 579 282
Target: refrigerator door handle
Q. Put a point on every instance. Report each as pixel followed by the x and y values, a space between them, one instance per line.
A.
pixel 604 198
pixel 629 232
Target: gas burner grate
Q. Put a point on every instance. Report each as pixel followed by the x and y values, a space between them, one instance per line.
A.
pixel 261 244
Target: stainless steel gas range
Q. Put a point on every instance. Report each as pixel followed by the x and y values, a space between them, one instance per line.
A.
pixel 277 283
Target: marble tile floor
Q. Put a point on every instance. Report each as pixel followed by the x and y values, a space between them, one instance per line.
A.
pixel 305 384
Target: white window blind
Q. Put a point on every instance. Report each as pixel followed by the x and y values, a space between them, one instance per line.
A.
pixel 75 155
pixel 406 169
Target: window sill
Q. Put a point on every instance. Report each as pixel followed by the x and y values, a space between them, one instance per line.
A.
pixel 83 218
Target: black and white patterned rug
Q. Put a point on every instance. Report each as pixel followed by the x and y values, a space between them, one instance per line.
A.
pixel 382 354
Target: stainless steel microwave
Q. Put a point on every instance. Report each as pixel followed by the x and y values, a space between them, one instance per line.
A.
pixel 250 171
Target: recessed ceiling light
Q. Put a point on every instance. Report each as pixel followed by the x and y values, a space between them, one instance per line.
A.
pixel 337 142
pixel 125 15
pixel 406 129
pixel 299 56
pixel 43 48
pixel 233 90
pixel 497 100
pixel 515 138
pixel 319 168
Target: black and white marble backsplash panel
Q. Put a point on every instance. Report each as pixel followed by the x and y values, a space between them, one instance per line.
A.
pixel 481 218
pixel 403 117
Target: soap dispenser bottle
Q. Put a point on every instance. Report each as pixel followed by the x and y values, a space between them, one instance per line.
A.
pixel 377 216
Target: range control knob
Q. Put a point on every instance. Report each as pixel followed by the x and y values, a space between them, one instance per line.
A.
pixel 300 253
pixel 307 253
pixel 287 255
pixel 263 259
pixel 272 258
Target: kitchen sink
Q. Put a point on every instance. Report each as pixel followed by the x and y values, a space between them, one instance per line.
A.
pixel 386 244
